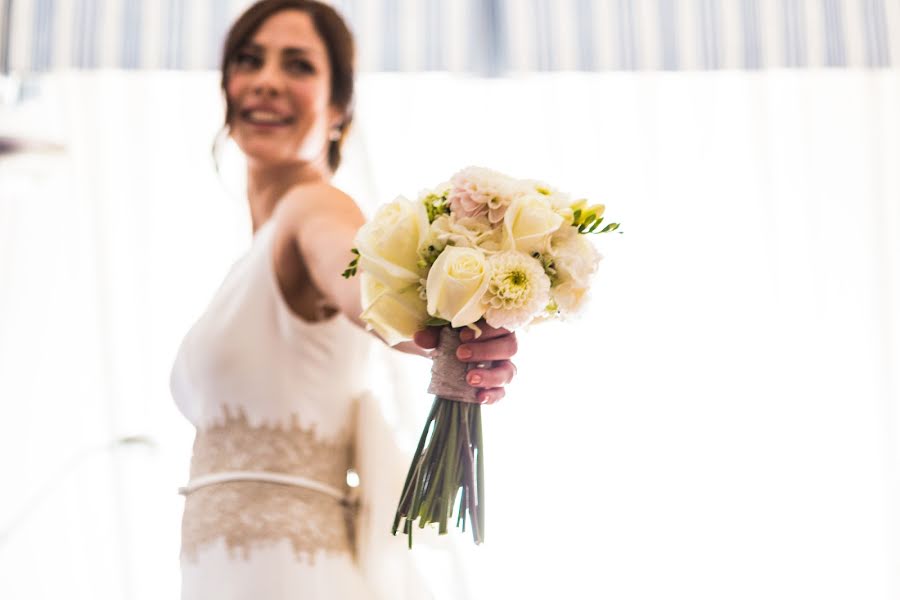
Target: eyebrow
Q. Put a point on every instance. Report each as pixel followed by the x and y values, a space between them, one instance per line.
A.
pixel 290 50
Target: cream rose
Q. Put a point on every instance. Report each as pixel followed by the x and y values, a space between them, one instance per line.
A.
pixel 388 245
pixel 456 284
pixel 575 260
pixel 394 316
pixel 528 224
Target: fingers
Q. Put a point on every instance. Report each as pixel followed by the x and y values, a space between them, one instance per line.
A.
pixel 427 338
pixel 487 332
pixel 503 347
pixel 501 373
pixel 497 345
pixel 490 396
pixel 491 381
pixel 430 336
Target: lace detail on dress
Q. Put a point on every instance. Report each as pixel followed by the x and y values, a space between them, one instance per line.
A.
pixel 250 514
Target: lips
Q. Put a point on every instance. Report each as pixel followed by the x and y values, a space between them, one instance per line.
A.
pixel 265 117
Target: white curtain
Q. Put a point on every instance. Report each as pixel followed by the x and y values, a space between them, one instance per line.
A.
pixel 722 423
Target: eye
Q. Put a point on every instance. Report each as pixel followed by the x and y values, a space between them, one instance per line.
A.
pixel 246 60
pixel 301 66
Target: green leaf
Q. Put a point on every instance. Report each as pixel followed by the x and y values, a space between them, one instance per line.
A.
pixel 610 227
pixel 436 322
pixel 350 271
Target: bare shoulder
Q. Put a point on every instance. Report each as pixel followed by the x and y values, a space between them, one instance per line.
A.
pixel 319 202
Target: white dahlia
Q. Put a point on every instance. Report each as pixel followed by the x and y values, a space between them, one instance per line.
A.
pixel 466 232
pixel 518 290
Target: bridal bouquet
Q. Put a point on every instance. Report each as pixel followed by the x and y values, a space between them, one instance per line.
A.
pixel 481 246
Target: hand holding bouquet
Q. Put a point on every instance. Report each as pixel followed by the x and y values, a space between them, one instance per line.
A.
pixel 482 246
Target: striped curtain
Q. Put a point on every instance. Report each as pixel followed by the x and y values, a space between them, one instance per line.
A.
pixel 487 37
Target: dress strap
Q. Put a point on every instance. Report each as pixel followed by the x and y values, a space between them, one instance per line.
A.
pixel 264 476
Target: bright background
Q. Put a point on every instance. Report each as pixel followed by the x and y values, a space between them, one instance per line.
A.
pixel 722 422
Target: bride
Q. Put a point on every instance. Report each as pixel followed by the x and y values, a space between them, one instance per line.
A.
pixel 271 374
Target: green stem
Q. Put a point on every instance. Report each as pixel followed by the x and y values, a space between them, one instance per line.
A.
pixel 403 509
pixel 438 445
pixel 469 470
pixel 479 441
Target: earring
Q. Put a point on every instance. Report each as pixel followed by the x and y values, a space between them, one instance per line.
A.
pixel 335 134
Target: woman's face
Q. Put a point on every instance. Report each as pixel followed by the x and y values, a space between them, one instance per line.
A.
pixel 279 87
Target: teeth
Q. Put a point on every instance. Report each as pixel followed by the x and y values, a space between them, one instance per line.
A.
pixel 263 116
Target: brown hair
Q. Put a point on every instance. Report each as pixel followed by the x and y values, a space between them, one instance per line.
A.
pixel 338 42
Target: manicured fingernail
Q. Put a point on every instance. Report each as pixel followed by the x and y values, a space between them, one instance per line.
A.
pixel 475 379
pixel 486 399
pixel 464 353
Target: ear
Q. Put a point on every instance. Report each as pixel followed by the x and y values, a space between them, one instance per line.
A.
pixel 335 118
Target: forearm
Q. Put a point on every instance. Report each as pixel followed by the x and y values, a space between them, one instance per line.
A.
pixel 325 248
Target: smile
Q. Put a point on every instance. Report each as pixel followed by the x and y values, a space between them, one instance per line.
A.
pixel 264 117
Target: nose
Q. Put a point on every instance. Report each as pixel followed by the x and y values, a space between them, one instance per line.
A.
pixel 268 81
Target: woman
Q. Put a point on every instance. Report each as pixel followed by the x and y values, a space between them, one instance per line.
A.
pixel 272 372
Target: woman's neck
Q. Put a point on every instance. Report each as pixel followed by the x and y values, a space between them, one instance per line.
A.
pixel 267 185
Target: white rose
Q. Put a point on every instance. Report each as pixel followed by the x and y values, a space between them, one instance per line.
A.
pixel 455 285
pixel 570 297
pixel 388 245
pixel 575 259
pixel 395 316
pixel 528 224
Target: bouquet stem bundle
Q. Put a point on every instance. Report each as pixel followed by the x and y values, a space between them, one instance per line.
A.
pixel 447 469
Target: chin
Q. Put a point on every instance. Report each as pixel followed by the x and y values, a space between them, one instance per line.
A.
pixel 269 151
pixel 263 151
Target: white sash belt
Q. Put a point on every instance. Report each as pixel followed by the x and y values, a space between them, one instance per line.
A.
pixel 265 476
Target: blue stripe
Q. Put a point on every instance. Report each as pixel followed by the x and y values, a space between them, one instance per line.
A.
pixel 173 45
pixel 5 37
pixel 536 34
pixel 750 31
pixel 628 55
pixel 42 35
pixel 131 34
pixel 84 44
pixel 495 36
pixel 794 48
pixel 709 32
pixel 716 19
pixel 478 46
pixel 218 29
pixel 585 25
pixel 542 27
pixel 835 55
pixel 78 34
pixel 390 48
pixel 668 35
pixel 434 58
pixel 874 20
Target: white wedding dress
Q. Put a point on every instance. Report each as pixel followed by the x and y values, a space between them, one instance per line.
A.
pixel 282 410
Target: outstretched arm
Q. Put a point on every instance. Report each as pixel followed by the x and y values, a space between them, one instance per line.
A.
pixel 326 222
